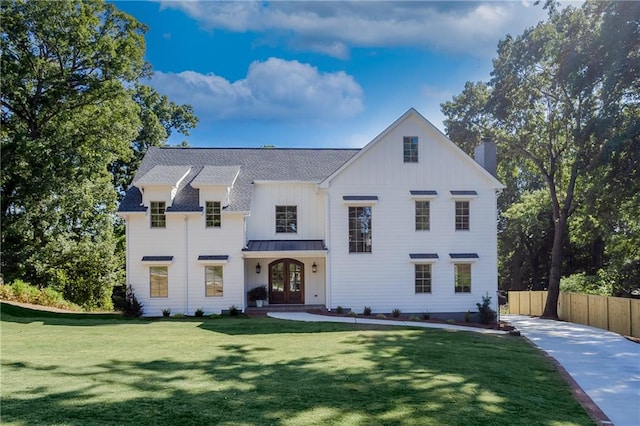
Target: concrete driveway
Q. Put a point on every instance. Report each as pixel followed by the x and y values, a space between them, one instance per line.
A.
pixel 604 364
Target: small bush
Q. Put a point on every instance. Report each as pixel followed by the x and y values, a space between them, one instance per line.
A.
pixel 381 316
pixel 487 315
pixel 367 310
pixel 179 315
pixel 132 308
pixel 199 312
pixel 215 316
pixel 451 321
pixel 166 312
pixel 415 318
pixel 352 314
pixel 467 316
pixel 426 316
pixel 234 311
pixel 395 313
pixel 339 309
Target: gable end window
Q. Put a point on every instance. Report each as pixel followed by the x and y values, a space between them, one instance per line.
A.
pixel 422 215
pixel 213 281
pixel 213 214
pixel 410 149
pixel 462 215
pixel 423 278
pixel 360 229
pixel 287 219
pixel 462 277
pixel 159 281
pixel 158 218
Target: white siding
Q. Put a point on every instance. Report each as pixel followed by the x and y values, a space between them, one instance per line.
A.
pixel 384 279
pixel 261 225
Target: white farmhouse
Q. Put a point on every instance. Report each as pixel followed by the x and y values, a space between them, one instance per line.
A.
pixel 407 222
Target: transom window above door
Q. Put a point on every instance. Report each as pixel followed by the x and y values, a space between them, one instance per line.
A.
pixel 286 219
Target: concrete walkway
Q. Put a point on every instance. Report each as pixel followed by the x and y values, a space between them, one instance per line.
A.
pixel 604 364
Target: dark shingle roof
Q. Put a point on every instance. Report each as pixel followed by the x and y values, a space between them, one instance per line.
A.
pixel 256 164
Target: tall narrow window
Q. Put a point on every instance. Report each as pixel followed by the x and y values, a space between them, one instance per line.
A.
pixel 159 281
pixel 423 278
pixel 462 215
pixel 286 219
pixel 360 229
pixel 422 215
pixel 410 149
pixel 213 214
pixel 158 217
pixel 462 277
pixel 213 281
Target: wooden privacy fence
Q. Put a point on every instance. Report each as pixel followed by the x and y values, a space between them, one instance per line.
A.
pixel 616 314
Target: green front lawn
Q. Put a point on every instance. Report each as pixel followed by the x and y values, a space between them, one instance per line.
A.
pixel 238 371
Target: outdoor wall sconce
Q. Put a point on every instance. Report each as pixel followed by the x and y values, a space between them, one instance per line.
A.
pixel 258 268
pixel 314 268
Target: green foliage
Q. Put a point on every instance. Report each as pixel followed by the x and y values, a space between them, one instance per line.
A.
pixel 234 311
pixel 487 314
pixel 352 314
pixel 257 293
pixel 395 312
pixel 426 316
pixel 467 316
pixel 381 316
pixel 199 312
pixel 166 312
pixel 21 291
pixel 600 284
pixel 366 310
pixel 339 309
pixel 132 307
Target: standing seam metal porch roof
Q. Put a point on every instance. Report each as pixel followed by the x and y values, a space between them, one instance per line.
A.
pixel 255 164
pixel 285 245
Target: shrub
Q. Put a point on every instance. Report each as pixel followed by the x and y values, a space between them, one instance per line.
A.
pixel 451 321
pixel 367 310
pixel 426 316
pixel 257 293
pixel 487 315
pixel 352 314
pixel 199 312
pixel 234 311
pixel 467 316
pixel 587 284
pixel 132 308
pixel 6 292
pixel 395 313
pixel 166 312
pixel 179 315
pixel 339 309
pixel 215 316
pixel 415 318
pixel 381 316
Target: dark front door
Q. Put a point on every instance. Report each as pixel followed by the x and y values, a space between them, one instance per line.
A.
pixel 286 282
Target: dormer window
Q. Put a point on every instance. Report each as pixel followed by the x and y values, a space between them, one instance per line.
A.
pixel 410 149
pixel 213 214
pixel 158 217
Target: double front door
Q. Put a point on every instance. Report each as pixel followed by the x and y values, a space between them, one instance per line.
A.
pixel 286 282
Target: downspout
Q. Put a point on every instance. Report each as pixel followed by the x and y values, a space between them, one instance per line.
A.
pixel 127 263
pixel 327 232
pixel 186 257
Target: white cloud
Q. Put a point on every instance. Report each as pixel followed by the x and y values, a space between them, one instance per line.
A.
pixel 273 89
pixel 334 27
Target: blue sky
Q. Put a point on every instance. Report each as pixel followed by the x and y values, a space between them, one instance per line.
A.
pixel 318 73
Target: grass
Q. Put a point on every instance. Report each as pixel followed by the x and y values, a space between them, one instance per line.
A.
pixel 61 369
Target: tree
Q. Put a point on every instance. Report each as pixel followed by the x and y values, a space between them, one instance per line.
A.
pixel 66 115
pixel 560 101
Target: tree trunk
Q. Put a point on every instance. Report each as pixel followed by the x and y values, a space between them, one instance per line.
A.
pixel 553 291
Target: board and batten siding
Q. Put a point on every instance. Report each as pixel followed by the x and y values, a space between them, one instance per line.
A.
pixel 185 238
pixel 261 224
pixel 385 278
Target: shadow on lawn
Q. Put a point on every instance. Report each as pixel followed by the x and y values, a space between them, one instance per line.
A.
pixel 420 377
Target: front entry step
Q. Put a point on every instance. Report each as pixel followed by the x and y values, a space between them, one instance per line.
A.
pixel 286 308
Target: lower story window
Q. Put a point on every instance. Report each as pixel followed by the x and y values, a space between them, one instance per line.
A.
pixel 462 277
pixel 159 279
pixel 213 281
pixel 423 278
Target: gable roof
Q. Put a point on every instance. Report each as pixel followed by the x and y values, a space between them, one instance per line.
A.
pixel 413 113
pixel 253 164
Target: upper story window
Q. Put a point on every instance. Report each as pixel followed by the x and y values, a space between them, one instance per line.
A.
pixel 360 229
pixel 213 214
pixel 422 215
pixel 410 149
pixel 462 277
pixel 287 219
pixel 158 217
pixel 462 215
